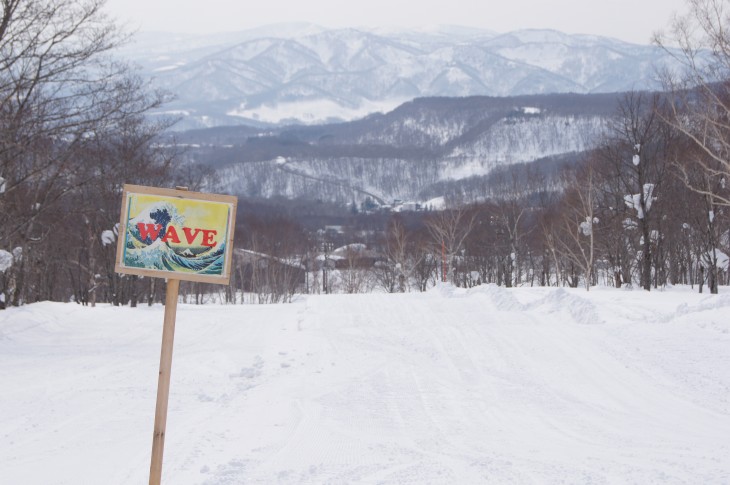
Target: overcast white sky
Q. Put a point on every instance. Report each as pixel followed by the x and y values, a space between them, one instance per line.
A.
pixel 630 20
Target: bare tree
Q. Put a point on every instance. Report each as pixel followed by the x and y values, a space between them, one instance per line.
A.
pixel 449 229
pixel 63 103
pixel 699 95
pixel 426 268
pixel 703 217
pixel 549 227
pixel 575 237
pixel 632 169
pixel 398 271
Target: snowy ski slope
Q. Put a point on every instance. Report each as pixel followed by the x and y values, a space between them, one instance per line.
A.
pixel 452 386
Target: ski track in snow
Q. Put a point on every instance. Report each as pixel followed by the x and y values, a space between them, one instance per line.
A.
pixel 486 385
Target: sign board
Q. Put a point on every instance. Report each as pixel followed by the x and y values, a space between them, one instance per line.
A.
pixel 167 233
pixel 178 235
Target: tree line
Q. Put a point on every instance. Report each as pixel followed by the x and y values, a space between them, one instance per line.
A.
pixel 73 129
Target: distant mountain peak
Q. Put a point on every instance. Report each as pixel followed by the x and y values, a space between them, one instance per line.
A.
pixel 307 73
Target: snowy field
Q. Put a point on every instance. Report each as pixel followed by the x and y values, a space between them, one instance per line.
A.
pixel 452 386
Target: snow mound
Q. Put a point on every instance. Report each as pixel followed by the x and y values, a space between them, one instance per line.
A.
pixel 580 309
pixel 714 302
pixel 502 298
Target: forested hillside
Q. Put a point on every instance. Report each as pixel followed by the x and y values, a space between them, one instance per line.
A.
pixel 407 154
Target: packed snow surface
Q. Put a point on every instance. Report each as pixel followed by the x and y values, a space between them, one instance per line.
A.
pixel 451 386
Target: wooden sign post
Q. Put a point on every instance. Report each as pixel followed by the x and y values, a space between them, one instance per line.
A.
pixel 163 381
pixel 178 235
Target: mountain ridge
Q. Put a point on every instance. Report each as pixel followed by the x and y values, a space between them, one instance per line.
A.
pixel 425 148
pixel 308 74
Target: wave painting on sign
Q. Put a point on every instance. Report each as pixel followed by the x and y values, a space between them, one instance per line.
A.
pixel 173 234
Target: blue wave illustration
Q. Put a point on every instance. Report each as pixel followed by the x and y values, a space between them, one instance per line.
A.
pixel 150 252
pixel 159 255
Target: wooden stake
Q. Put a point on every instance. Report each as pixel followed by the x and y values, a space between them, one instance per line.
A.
pixel 163 383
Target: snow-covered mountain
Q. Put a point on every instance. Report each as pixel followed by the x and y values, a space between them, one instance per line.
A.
pixel 426 148
pixel 305 73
